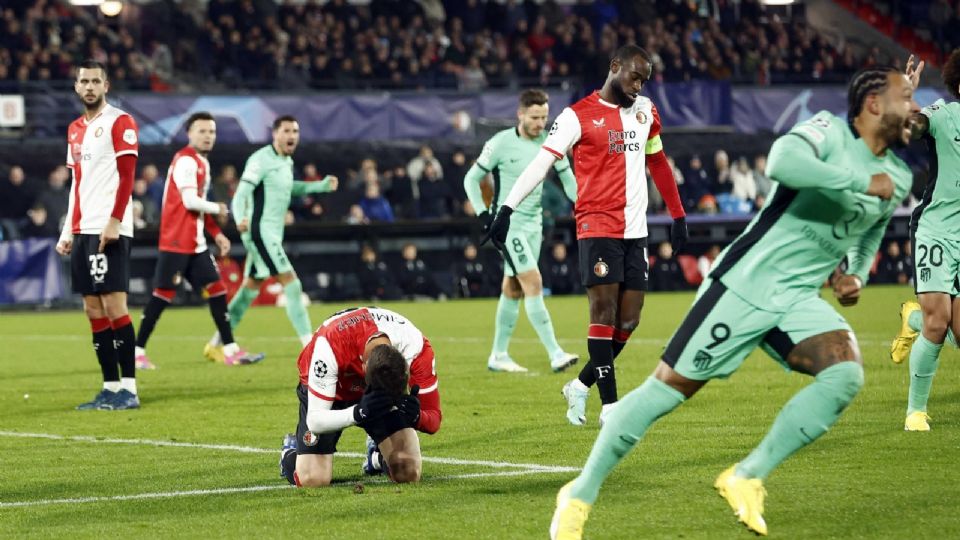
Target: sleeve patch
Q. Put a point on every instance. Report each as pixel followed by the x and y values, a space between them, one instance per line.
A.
pixel 654 145
pixel 814 135
pixel 129 136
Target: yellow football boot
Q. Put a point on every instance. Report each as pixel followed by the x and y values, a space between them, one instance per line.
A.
pixel 917 421
pixel 900 348
pixel 213 353
pixel 745 497
pixel 569 517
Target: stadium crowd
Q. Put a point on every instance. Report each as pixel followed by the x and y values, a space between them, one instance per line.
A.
pixel 469 44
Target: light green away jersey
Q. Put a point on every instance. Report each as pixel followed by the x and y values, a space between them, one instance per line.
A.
pixel 817 214
pixel 939 212
pixel 271 177
pixel 506 155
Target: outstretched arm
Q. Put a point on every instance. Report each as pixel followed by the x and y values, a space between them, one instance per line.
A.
pixel 328 184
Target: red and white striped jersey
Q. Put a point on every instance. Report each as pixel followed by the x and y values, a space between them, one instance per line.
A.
pixel 331 367
pixel 181 228
pixel 92 150
pixel 609 145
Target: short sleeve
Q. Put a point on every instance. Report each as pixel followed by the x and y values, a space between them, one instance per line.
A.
pixel 185 173
pixel 253 170
pixel 821 132
pixel 125 136
pixel 324 371
pixel 488 159
pixel 935 114
pixel 564 133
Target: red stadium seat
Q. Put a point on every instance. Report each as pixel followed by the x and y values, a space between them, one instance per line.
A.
pixel 691 273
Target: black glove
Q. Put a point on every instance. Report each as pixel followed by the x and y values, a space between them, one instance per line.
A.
pixel 409 407
pixel 373 404
pixel 497 232
pixel 679 234
pixel 486 218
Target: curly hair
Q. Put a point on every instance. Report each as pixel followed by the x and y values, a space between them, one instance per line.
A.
pixel 951 73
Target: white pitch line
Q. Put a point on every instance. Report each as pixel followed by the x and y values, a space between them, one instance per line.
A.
pixel 251 489
pixel 254 450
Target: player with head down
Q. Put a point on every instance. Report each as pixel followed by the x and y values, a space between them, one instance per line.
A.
pixel 355 371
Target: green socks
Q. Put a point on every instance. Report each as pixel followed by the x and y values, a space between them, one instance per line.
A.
pixel 240 304
pixel 622 430
pixel 296 311
pixel 915 322
pixel 924 357
pixel 540 319
pixel 804 418
pixel 508 309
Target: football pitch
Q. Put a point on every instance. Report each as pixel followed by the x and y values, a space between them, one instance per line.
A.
pixel 199 459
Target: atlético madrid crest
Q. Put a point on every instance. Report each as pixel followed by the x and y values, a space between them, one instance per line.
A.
pixel 601 269
pixel 641 117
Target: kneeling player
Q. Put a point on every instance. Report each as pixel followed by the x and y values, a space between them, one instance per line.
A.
pixel 353 372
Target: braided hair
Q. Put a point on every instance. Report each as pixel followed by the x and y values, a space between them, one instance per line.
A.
pixel 951 73
pixel 867 81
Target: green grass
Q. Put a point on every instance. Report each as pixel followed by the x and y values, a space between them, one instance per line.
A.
pixel 865 479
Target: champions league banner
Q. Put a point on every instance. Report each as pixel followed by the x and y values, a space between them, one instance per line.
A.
pixel 30 271
pixel 420 116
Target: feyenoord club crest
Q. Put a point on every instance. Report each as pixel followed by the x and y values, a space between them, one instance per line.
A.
pixel 641 117
pixel 309 438
pixel 601 269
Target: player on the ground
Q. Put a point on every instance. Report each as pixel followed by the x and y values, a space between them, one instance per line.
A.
pixel 838 185
pixel 183 247
pixel 355 371
pixel 505 155
pixel 259 208
pixel 102 148
pixel 935 233
pixel 613 133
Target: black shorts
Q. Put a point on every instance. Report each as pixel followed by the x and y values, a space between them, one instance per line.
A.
pixel 95 273
pixel 326 443
pixel 614 260
pixel 200 269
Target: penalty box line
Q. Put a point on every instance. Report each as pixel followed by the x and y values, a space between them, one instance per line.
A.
pixel 255 450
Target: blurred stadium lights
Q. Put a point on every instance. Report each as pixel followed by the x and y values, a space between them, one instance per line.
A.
pixel 110 8
pixel 778 2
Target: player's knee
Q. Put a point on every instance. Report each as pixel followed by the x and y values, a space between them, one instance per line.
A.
pixel 935 324
pixel 94 312
pixel 603 311
pixel 404 469
pixel 310 477
pixel 846 378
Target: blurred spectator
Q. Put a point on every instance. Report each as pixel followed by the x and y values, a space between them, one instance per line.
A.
pixel 744 186
pixel 435 194
pixel 472 276
pixel 722 183
pixel 665 274
pixel 414 276
pixel 555 205
pixel 151 175
pixel 456 168
pixel 355 216
pixel 308 207
pixel 892 267
pixel 376 280
pixel 225 184
pixel 416 166
pixel 37 225
pixel 137 211
pixel 561 275
pixel 374 206
pixel 149 212
pixel 16 195
pixel 56 196
pixel 696 183
pixel 471 78
pixel 707 205
pixel 655 204
pixel 400 194
pixel 764 185
pixel 705 261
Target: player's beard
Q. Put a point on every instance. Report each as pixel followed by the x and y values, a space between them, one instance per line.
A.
pixel 622 98
pixel 92 106
pixel 891 130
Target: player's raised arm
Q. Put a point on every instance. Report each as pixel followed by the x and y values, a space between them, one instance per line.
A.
pixel 328 184
pixel 796 159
